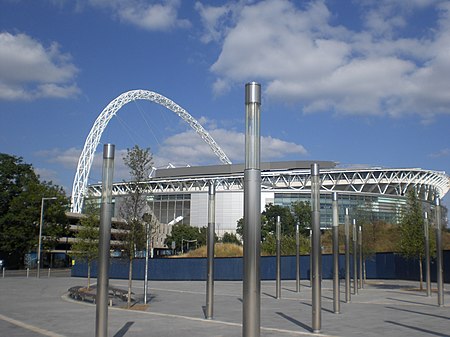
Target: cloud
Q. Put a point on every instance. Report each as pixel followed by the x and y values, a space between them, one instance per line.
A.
pixel 153 16
pixel 302 56
pixel 440 154
pixel 188 148
pixel 28 70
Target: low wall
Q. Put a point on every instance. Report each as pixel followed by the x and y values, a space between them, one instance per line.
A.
pixel 379 266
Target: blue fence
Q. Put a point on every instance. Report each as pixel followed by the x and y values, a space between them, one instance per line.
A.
pixel 380 266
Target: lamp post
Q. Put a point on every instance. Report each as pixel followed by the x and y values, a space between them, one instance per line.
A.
pixel 316 249
pixel 251 309
pixel 210 250
pixel 297 257
pixel 278 271
pixel 439 258
pixel 41 223
pixel 336 298
pixel 427 252
pixel 355 265
pixel 106 211
pixel 347 256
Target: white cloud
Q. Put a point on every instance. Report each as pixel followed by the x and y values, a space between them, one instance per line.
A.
pixel 28 70
pixel 152 16
pixel 188 148
pixel 301 56
pixel 440 154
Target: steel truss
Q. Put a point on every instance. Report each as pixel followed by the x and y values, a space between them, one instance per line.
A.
pixel 390 182
pixel 93 139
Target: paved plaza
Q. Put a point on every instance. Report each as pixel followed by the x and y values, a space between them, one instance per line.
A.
pixel 41 307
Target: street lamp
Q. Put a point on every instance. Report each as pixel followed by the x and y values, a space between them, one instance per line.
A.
pixel 40 235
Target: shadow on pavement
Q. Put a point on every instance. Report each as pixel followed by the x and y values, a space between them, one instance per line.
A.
pixel 419 329
pixel 293 320
pixel 124 329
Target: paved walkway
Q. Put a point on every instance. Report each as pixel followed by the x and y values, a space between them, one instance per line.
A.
pixel 40 307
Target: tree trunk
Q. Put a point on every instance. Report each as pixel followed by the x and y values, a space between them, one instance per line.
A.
pixel 130 282
pixel 421 274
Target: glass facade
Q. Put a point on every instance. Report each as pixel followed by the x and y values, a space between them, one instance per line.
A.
pixel 168 207
pixel 382 208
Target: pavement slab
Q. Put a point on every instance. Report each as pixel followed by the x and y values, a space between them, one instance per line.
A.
pixel 41 307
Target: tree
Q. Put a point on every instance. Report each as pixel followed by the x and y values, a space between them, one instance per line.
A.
pixel 269 219
pixel 302 215
pixel 270 214
pixel 21 194
pixel 139 162
pixel 182 233
pixel 230 238
pixel 86 245
pixel 411 229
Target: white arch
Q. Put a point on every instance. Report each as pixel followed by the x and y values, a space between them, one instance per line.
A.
pixel 93 139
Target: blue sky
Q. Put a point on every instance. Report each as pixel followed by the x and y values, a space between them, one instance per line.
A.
pixel 358 82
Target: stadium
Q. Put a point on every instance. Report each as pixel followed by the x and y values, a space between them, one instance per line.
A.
pixel 180 195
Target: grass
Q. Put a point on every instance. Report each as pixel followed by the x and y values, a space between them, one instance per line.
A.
pixel 220 250
pixel 382 239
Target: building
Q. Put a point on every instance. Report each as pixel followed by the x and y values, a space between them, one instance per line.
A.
pixel 180 195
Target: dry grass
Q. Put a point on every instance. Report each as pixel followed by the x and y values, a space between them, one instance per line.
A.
pixel 384 238
pixel 220 249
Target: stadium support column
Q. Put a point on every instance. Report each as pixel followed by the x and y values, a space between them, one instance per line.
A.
pixel 252 214
pixel 336 299
pixel 210 249
pixel 106 210
pixel 439 266
pixel 316 249
pixel 347 256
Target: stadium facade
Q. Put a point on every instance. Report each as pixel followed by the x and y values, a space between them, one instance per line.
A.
pixel 180 195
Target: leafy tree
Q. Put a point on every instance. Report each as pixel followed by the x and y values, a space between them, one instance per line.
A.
pixel 139 162
pixel 86 245
pixel 181 233
pixel 302 215
pixel 230 238
pixel 269 219
pixel 270 213
pixel 21 194
pixel 411 229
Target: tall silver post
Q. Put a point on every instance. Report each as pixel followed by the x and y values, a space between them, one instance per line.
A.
pixel 347 257
pixel 210 250
pixel 310 259
pixel 316 250
pixel 101 322
pixel 41 224
pixel 297 257
pixel 251 312
pixel 147 245
pixel 278 272
pixel 426 231
pixel 336 294
pixel 355 259
pixel 439 261
pixel 360 251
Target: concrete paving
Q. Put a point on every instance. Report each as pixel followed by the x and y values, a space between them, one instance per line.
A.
pixel 40 307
